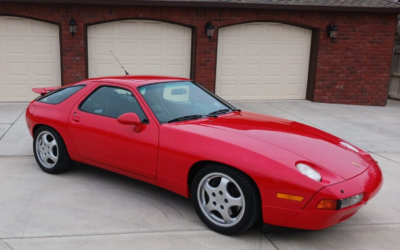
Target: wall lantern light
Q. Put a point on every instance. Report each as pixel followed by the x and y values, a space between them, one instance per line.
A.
pixel 332 31
pixel 72 27
pixel 209 30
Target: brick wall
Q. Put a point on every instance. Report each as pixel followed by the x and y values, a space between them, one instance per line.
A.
pixel 352 70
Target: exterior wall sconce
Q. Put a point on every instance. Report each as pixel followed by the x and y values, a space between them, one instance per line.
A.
pixel 209 30
pixel 72 27
pixel 332 31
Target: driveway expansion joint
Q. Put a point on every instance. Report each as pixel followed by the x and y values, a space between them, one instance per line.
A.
pixel 105 234
pixel 12 124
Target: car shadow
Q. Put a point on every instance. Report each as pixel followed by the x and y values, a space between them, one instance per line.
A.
pixel 172 205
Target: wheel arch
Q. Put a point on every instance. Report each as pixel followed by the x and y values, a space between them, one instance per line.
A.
pixel 39 125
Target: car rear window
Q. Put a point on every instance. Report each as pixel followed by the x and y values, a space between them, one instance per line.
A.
pixel 60 95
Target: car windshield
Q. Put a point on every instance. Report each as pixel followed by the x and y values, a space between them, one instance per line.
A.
pixel 179 101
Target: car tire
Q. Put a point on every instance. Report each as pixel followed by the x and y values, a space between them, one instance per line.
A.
pixel 225 199
pixel 50 151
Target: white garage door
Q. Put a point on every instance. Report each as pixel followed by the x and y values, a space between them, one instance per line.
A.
pixel 29 57
pixel 143 47
pixel 258 61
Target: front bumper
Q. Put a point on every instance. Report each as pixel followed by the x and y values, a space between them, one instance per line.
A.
pixel 369 183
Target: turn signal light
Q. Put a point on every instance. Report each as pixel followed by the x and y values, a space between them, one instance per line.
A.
pixel 327 204
pixel 289 197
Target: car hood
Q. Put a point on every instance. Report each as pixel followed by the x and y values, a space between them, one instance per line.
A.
pixel 309 143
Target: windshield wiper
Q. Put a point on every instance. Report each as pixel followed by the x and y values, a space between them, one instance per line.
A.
pixel 221 111
pixel 189 117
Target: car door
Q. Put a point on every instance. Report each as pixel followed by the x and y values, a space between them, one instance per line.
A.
pixel 99 137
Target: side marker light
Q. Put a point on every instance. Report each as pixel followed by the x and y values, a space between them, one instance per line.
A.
pixel 289 197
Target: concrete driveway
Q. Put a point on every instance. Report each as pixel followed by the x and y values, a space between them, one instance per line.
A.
pixel 90 208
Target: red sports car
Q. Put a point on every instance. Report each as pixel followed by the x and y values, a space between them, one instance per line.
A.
pixel 238 167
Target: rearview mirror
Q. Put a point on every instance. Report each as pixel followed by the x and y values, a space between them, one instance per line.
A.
pixel 131 119
pixel 180 91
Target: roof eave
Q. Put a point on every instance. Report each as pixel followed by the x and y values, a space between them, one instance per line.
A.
pixel 167 3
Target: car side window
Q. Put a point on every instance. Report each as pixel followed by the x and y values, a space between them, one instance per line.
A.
pixel 60 95
pixel 112 102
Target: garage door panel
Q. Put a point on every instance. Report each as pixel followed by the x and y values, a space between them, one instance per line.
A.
pixel 176 31
pixel 250 90
pixel 252 50
pixel 132 68
pixel 44 48
pixel 152 29
pixel 295 70
pixel 271 90
pixel 18 90
pixel 154 47
pixel 273 70
pixel 17 69
pixel 176 50
pixel 229 50
pixel 17 47
pixel 106 30
pixel 129 28
pixel 228 89
pixel 44 69
pixel 16 25
pixel 251 71
pixel 128 49
pixel 230 31
pixel 151 67
pixel 274 50
pixel 293 89
pixel 299 50
pixel 103 48
pixel 43 29
pixel 175 69
pixel 228 71
pixel 276 60
pixel 299 33
pixel 275 30
pixel 102 68
pixel 253 30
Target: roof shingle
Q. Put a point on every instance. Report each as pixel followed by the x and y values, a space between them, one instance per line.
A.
pixel 339 3
pixel 329 5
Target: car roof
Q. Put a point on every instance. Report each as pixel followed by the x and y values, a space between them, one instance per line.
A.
pixel 137 80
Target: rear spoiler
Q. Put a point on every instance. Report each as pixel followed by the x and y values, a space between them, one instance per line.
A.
pixel 43 91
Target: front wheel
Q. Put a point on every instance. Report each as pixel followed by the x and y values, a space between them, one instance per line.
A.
pixel 225 199
pixel 50 151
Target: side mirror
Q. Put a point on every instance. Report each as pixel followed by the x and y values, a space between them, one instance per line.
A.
pixel 131 119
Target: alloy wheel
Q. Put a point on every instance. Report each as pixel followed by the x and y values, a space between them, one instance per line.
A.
pixel 47 149
pixel 221 199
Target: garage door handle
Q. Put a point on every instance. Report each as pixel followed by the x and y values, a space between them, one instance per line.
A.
pixel 76 118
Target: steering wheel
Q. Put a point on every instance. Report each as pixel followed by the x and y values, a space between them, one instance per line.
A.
pixel 194 104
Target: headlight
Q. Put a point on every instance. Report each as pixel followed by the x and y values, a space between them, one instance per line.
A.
pixel 309 171
pixel 350 146
pixel 351 201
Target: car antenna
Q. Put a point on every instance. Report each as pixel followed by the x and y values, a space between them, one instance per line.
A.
pixel 126 72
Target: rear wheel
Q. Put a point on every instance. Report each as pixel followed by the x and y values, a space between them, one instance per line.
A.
pixel 225 199
pixel 50 151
